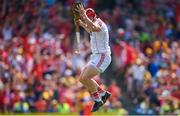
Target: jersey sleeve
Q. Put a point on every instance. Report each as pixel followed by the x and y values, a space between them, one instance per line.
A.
pixel 100 23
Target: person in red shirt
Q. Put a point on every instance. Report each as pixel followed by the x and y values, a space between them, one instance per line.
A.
pixel 41 105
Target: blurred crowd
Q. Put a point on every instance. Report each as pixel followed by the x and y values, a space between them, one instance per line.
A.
pixel 39 69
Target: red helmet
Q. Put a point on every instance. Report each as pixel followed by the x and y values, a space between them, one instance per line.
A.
pixel 90 12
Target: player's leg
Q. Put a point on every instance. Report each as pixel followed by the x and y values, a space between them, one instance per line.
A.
pixel 103 94
pixel 102 65
pixel 91 85
pixel 98 63
pixel 85 78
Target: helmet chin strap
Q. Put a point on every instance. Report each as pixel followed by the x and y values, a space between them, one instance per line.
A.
pixel 94 19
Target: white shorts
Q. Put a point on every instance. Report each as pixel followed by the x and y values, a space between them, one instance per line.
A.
pixel 101 61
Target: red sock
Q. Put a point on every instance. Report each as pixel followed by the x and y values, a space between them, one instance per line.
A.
pixel 101 91
pixel 95 96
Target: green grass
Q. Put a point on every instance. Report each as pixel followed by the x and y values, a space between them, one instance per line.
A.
pixel 57 114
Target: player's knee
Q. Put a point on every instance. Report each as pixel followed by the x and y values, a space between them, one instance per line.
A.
pixel 82 79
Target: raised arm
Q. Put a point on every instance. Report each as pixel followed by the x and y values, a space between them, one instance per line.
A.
pixel 88 23
pixel 92 26
pixel 82 24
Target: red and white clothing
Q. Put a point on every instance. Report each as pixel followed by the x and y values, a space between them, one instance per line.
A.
pixel 100 40
pixel 101 52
